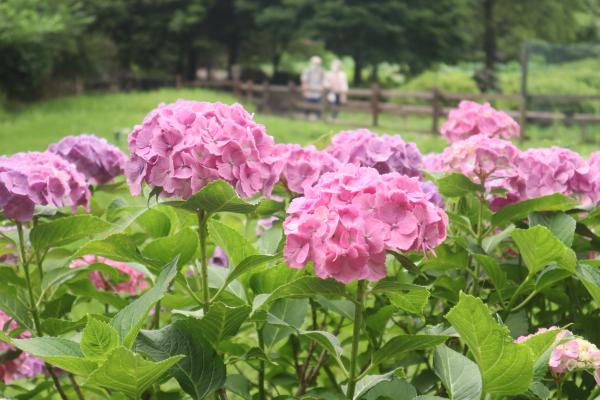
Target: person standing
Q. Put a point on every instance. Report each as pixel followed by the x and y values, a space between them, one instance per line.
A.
pixel 312 83
pixel 336 83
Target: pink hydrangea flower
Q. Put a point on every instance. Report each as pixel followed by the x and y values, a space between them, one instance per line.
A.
pixel 182 146
pixel 482 159
pixel 384 153
pixel 570 353
pixel 135 283
pixel 544 171
pixel 23 365
pixel 433 162
pixel 471 119
pixel 29 179
pixel 94 157
pixel 304 165
pixel 346 222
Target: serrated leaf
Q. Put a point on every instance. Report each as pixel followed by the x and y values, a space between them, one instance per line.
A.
pixel 560 224
pixel 505 367
pixel 201 372
pixel 398 346
pixel 58 327
pixel 118 247
pixel 457 185
pixel 129 373
pixel 291 311
pixel 519 211
pixel 217 196
pixel 182 244
pixel 539 247
pixel 396 389
pixel 62 353
pixel 66 230
pixel 98 339
pixel 129 320
pixel 590 277
pixel 492 269
pixel 408 297
pixel 235 245
pixel 460 376
pixel 549 276
pixel 12 305
pixel 222 321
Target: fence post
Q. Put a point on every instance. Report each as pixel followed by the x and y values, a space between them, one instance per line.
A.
pixel 436 108
pixel 265 97
pixel 249 91
pixel 237 89
pixel 375 95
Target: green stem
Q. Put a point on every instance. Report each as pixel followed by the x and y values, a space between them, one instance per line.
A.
pixel 358 314
pixel 203 233
pixel 33 307
pixel 513 298
pixel 261 367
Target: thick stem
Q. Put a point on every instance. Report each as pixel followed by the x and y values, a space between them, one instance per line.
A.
pixel 203 233
pixel 33 307
pixel 358 314
pixel 76 387
pixel 261 367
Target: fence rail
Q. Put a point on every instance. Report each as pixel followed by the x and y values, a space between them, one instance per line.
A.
pixel 377 101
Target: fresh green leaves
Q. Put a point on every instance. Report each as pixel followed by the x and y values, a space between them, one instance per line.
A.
pixel 506 368
pixel 129 320
pixel 460 376
pixel 66 230
pixel 457 185
pixel 399 346
pixel 202 371
pixel 539 247
pixel 407 297
pixel 519 211
pixel 216 196
pixel 98 339
pixel 62 353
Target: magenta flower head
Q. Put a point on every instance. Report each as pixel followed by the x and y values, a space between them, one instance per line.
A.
pixel 545 171
pixel 471 119
pixel 30 179
pixel 481 159
pixel 134 282
pixel 94 157
pixel 346 222
pixel 182 146
pixel 384 153
pixel 22 365
pixel 304 165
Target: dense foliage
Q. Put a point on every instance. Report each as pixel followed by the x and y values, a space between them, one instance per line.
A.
pixel 248 269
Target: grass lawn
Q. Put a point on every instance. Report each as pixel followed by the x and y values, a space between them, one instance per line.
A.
pixel 39 124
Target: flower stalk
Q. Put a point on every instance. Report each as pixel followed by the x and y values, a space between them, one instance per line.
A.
pixel 358 314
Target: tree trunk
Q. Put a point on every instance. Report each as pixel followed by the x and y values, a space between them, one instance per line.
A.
pixel 275 61
pixel 357 70
pixel 191 65
pixel 374 78
pixel 489 34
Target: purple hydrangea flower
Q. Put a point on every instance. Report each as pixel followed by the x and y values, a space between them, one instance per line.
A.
pixel 304 165
pixel 94 157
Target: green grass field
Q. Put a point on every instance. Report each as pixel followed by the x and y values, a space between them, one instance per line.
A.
pixel 35 126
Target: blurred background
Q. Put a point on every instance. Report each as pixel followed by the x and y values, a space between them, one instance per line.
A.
pixel 97 66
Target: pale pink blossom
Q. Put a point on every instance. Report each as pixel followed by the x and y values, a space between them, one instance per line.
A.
pixel 21 365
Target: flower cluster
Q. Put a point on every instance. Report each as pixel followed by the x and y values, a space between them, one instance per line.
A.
pixel 570 353
pixel 471 119
pixel 18 365
pixel 304 165
pixel 94 157
pixel 30 179
pixel 134 283
pixel 346 222
pixel 182 146
pixel 480 158
pixel 384 153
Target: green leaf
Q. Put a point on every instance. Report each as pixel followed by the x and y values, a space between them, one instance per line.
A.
pixel 59 306
pixel 560 224
pixel 222 321
pixel 519 211
pixel 58 327
pixel 201 372
pixel 235 245
pixel 183 244
pixel 539 247
pixel 306 286
pixel 457 185
pixel 369 382
pixel 460 376
pixel 118 247
pixel 215 197
pixel 399 346
pixel 66 230
pixel 129 373
pixel 248 264
pixel 549 276
pixel 12 305
pixel 396 389
pixel 590 277
pixel 505 367
pixel 408 297
pixel 153 222
pixel 98 339
pixel 490 243
pixel 62 353
pixel 291 311
pixel 493 270
pixel 129 320
pixel 86 288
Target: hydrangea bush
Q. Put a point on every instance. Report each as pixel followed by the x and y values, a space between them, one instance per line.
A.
pixel 219 264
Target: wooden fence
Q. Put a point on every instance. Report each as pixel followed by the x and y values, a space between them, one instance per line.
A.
pixel 377 101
